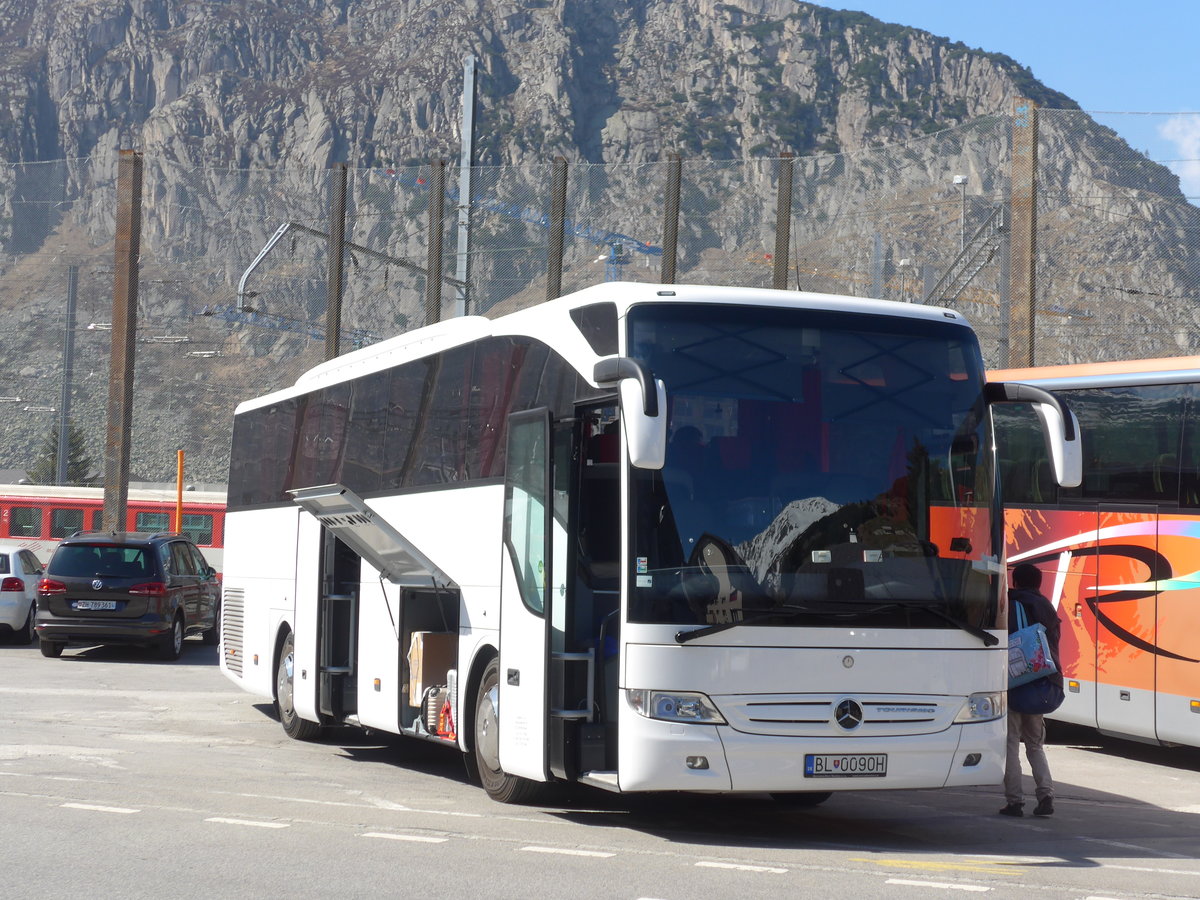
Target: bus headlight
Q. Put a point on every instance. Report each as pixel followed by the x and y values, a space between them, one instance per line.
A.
pixel 674 706
pixel 983 707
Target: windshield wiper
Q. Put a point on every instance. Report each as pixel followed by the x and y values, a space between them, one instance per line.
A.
pixel 682 637
pixel 989 639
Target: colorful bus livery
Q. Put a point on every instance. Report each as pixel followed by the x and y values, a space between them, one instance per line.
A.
pixel 38 516
pixel 1121 552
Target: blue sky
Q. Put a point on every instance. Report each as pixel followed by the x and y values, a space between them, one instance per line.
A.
pixel 1109 56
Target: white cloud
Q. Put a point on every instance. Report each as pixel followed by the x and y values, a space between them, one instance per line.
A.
pixel 1183 131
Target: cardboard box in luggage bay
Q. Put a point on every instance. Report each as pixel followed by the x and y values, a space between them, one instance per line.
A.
pixel 431 655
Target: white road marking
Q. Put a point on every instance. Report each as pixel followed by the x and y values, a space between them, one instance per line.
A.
pixel 741 867
pixel 222 821
pixel 941 885
pixel 1153 871
pixel 416 838
pixel 93 808
pixel 565 852
pixel 1123 846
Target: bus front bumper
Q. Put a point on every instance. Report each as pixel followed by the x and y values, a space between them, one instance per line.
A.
pixel 665 756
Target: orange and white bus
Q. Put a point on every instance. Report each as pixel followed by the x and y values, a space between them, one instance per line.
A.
pixel 1120 554
pixel 38 516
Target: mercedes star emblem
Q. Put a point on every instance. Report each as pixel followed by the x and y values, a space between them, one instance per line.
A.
pixel 848 714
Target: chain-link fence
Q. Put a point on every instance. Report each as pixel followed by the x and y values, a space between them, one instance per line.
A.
pixel 233 287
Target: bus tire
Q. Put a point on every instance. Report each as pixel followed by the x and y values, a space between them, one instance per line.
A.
pixel 293 726
pixel 802 800
pixel 500 786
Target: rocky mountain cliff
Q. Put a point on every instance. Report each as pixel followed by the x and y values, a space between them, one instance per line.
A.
pixel 240 107
pixel 368 82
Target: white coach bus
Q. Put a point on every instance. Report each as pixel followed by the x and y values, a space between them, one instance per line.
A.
pixel 643 537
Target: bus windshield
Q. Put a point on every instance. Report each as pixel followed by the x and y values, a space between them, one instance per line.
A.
pixel 833 467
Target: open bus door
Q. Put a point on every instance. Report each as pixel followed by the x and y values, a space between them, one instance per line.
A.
pixel 525 582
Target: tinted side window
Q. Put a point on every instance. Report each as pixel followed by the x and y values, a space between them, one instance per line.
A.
pixel 1131 441
pixel 497 365
pixel 5 565
pixel 1189 454
pixel 1025 474
pixel 199 564
pixel 322 443
pixel 406 387
pixel 261 466
pixel 441 442
pixel 181 559
pixel 598 324
pixel 437 420
pixel 1132 438
pixel 362 470
pixel 30 563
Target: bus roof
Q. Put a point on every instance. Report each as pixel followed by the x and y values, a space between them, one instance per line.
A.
pixel 1167 370
pixel 550 321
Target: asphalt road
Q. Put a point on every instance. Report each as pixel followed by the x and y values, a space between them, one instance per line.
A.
pixel 122 776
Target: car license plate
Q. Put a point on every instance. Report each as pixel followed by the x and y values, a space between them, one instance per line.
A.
pixel 843 765
pixel 95 604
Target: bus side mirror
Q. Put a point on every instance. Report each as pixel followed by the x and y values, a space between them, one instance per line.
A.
pixel 643 409
pixel 1059 427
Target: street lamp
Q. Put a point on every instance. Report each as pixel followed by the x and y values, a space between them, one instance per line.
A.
pixel 961 181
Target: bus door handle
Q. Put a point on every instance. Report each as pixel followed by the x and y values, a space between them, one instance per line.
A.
pixel 514 677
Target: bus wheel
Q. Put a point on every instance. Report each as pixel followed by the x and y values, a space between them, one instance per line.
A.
pixel 499 786
pixel 805 800
pixel 293 725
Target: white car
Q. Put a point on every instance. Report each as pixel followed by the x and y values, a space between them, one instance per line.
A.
pixel 20 572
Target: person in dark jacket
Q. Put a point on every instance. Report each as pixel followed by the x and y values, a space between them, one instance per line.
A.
pixel 1024 728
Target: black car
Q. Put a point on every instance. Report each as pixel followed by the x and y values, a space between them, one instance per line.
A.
pixel 130 587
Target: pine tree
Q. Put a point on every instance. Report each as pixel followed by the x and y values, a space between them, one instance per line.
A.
pixel 81 470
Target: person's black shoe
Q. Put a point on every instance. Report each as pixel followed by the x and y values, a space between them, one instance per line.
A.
pixel 1045 807
pixel 1015 809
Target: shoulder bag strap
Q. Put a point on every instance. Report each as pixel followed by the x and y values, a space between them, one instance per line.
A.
pixel 1022 622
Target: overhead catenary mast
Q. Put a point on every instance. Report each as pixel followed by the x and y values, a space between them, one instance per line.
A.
pixel 462 266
